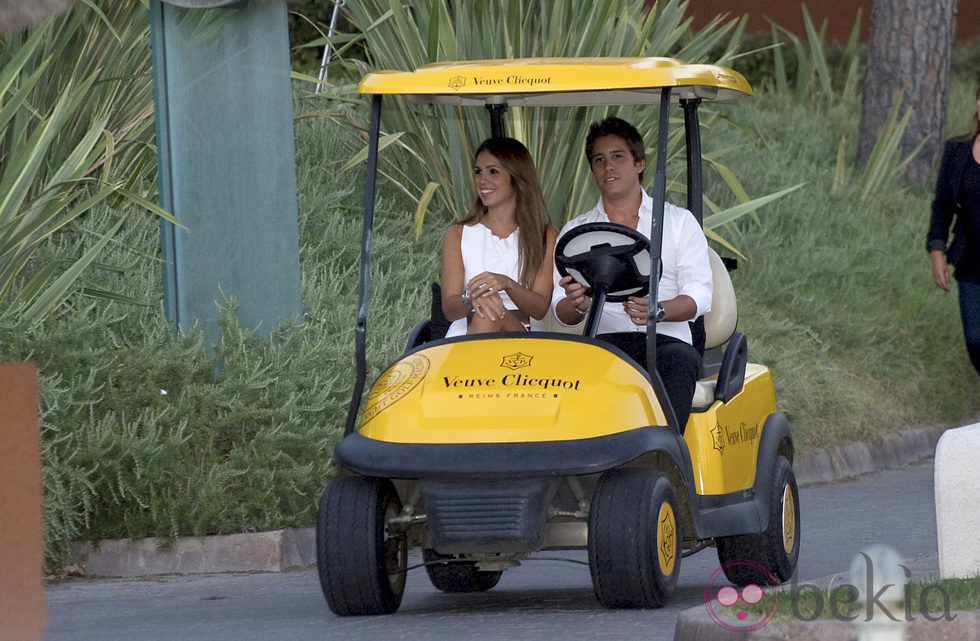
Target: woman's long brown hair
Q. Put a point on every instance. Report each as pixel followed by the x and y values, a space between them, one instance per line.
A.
pixel 530 212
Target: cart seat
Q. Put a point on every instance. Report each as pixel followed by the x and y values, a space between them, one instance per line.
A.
pixel 723 368
pixel 432 328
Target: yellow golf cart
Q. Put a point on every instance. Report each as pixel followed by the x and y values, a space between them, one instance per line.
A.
pixel 482 450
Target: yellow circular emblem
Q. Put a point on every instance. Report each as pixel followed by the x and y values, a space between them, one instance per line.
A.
pixel 392 386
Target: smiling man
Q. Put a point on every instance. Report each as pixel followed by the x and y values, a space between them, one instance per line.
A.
pixel 615 152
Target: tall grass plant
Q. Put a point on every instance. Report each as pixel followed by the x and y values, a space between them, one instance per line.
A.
pixel 433 146
pixel 76 118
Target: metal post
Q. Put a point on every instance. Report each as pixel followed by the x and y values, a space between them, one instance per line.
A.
pixel 497 127
pixel 327 50
pixel 695 190
pixel 656 242
pixel 367 235
pixel 695 180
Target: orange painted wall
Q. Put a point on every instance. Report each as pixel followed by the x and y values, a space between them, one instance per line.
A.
pixel 22 609
pixel 840 15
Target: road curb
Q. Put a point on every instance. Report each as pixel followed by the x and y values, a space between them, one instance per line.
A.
pixel 854 459
pixel 274 551
pixel 695 624
pixel 281 550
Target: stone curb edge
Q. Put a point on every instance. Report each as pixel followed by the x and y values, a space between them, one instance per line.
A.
pixel 282 550
pixel 854 459
pixel 274 551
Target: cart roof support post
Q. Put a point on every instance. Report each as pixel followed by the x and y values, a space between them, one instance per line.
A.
pixel 656 244
pixel 692 136
pixel 497 127
pixel 364 284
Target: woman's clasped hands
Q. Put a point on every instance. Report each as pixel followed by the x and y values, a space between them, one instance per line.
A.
pixel 484 293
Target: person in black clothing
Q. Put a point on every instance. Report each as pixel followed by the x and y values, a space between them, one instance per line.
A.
pixel 958 197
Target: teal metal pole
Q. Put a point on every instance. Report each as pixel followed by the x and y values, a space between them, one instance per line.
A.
pixel 226 165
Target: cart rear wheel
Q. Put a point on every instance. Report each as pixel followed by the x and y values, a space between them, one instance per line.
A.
pixel 457 576
pixel 361 562
pixel 777 549
pixel 634 541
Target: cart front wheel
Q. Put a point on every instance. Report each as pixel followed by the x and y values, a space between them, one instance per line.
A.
pixel 361 561
pixel 634 540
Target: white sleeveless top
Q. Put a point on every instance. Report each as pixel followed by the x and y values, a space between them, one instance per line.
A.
pixel 484 252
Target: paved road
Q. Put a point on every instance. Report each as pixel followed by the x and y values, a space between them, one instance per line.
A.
pixel 539 600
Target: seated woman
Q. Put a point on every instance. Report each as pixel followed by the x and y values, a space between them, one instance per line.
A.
pixel 496 264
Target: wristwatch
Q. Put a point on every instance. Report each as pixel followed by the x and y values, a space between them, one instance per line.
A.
pixel 465 298
pixel 660 312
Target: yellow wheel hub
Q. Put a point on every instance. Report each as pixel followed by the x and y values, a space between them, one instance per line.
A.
pixel 666 539
pixel 789 519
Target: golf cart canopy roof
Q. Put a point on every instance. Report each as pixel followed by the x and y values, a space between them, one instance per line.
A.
pixel 557 82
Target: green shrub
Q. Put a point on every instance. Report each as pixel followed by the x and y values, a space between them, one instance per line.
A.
pixel 836 295
pixel 146 434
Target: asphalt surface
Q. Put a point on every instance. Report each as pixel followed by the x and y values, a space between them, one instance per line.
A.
pixel 539 600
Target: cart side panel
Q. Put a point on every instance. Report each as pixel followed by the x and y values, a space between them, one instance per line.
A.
pixel 724 440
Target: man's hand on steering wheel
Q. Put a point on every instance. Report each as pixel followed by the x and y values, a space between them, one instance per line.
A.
pixel 636 308
pixel 575 293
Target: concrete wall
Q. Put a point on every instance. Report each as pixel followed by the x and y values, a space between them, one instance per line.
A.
pixel 957 509
pixel 22 609
pixel 840 15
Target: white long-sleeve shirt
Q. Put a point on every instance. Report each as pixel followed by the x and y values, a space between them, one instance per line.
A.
pixel 686 269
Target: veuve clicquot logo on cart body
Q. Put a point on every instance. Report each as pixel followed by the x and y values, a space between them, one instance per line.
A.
pixel 511 380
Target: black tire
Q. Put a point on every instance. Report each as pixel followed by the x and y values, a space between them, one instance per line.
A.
pixel 361 564
pixel 457 576
pixel 777 549
pixel 634 539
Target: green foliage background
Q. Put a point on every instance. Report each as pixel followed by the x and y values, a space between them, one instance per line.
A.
pixel 145 433
pixel 76 121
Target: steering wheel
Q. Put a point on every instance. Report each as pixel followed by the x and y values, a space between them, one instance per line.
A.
pixel 606 256
pixel 612 261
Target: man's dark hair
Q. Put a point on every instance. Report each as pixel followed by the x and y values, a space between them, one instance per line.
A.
pixel 613 126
